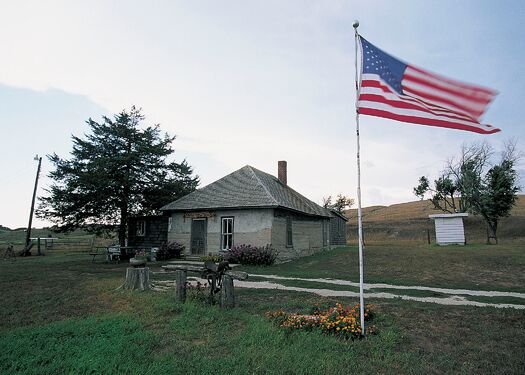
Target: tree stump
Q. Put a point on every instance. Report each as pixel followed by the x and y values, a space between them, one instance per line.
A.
pixel 137 279
pixel 180 282
pixel 227 292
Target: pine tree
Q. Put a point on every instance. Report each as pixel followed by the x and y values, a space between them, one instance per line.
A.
pixel 117 170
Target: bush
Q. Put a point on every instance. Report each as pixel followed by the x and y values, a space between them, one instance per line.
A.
pixel 170 250
pixel 216 258
pixel 339 321
pixel 251 255
pixel 197 291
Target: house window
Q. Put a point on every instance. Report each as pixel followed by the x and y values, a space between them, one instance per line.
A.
pixel 169 223
pixel 226 233
pixel 141 228
pixel 289 240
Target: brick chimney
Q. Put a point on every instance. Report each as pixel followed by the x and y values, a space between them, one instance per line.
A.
pixel 281 171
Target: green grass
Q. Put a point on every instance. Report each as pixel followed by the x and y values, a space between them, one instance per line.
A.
pixel 62 314
pixel 483 267
pixel 410 292
pixel 107 344
pixel 506 300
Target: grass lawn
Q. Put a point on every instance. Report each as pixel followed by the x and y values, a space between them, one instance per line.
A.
pixel 61 314
pixel 482 267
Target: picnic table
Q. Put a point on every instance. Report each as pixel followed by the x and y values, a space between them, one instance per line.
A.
pixel 116 252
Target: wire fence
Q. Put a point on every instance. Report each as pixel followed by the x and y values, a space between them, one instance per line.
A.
pixel 382 234
pixel 80 244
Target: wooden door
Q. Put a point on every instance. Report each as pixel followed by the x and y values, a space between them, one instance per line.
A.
pixel 198 236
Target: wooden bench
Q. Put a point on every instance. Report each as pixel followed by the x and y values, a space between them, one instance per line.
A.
pixel 99 250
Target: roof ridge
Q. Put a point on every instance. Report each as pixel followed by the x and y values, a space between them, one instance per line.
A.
pixel 286 186
pixel 263 185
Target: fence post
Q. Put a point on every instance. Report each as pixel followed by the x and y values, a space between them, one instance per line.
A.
pixel 180 282
pixel 227 292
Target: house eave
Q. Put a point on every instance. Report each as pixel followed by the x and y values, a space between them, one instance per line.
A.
pixel 241 208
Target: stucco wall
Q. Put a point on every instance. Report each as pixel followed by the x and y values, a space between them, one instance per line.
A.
pixel 307 235
pixel 251 227
pixel 180 230
pixel 257 227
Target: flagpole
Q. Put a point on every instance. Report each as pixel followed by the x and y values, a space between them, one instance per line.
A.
pixel 359 213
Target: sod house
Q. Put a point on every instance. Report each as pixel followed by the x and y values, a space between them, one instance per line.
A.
pixel 252 207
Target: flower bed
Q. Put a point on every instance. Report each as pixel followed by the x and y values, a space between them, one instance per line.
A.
pixel 343 322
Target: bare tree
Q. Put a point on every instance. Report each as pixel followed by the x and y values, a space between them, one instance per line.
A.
pixel 472 183
pixel 341 203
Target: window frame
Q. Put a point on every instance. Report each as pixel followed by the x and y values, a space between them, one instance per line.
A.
pixel 289 232
pixel 325 232
pixel 223 246
pixel 140 228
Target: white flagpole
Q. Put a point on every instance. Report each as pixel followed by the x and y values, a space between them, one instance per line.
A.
pixel 359 213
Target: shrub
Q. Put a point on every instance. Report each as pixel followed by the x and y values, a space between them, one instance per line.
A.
pixel 197 291
pixel 213 257
pixel 343 322
pixel 251 255
pixel 170 250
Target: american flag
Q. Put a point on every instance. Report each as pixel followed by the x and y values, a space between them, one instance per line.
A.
pixel 393 89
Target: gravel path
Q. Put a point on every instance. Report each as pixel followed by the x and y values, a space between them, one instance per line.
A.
pixel 452 300
pixel 456 297
pixel 468 292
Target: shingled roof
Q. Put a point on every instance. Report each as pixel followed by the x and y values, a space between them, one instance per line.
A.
pixel 247 187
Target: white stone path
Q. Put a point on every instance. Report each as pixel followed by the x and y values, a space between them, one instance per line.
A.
pixel 452 299
pixel 456 297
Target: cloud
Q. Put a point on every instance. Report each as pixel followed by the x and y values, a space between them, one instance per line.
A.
pixel 35 122
pixel 250 83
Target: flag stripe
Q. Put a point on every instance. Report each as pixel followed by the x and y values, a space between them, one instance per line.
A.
pixel 430 96
pixel 423 121
pixel 375 87
pixel 393 89
pixel 474 97
pixel 466 86
pixel 407 105
pixel 411 113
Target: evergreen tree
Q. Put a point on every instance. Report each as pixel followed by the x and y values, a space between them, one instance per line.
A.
pixel 118 170
pixel 498 195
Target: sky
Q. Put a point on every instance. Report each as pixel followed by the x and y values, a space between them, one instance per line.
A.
pixel 247 82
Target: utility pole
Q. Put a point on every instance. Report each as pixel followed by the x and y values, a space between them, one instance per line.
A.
pixel 28 232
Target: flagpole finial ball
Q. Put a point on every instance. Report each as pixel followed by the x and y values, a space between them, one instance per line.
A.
pixel 355 24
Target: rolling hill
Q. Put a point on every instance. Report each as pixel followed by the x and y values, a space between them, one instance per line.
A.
pixel 409 222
